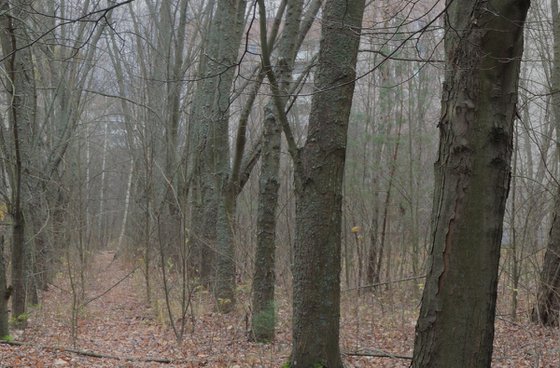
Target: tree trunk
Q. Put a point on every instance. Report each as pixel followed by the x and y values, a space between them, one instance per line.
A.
pixel 211 137
pixel 263 311
pixel 547 309
pixel 102 220
pixel 319 175
pixel 126 203
pixel 21 93
pixel 483 54
pixel 4 294
pixel 231 27
pixel 373 272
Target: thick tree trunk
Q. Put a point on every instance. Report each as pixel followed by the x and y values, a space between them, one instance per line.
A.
pixel 18 265
pixel 212 158
pixel 21 93
pixel 316 269
pixel 456 323
pixel 231 27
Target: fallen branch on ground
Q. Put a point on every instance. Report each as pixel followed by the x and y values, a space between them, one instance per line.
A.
pixel 371 286
pixel 93 354
pixel 377 354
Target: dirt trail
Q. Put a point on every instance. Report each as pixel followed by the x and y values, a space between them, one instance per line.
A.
pixel 118 323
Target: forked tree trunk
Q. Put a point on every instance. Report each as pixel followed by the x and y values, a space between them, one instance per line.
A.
pixel 483 55
pixel 263 318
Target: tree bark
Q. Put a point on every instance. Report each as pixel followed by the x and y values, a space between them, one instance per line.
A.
pixel 547 309
pixel 231 29
pixel 318 175
pixel 21 93
pixel 263 308
pixel 263 316
pixel 211 114
pixel 4 293
pixel 483 48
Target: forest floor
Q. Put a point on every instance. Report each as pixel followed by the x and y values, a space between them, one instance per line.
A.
pixel 125 332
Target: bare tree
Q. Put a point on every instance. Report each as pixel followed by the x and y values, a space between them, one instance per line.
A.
pixel 20 82
pixel 211 115
pixel 319 169
pixel 547 309
pixel 472 174
pixel 263 308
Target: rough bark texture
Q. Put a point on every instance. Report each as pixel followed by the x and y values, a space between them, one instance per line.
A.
pixel 21 93
pixel 263 308
pixel 210 121
pixel 211 114
pixel 231 32
pixel 547 309
pixel 197 130
pixel 484 45
pixel 316 269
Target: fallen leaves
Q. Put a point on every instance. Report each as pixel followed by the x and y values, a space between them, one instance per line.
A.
pixel 120 325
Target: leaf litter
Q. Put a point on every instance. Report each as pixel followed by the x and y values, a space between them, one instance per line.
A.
pixel 119 325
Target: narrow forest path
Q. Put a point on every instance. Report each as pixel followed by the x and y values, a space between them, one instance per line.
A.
pixel 118 323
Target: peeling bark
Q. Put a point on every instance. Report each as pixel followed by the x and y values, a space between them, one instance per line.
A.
pixel 483 54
